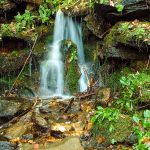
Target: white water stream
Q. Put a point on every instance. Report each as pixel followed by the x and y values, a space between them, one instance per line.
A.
pixel 52 69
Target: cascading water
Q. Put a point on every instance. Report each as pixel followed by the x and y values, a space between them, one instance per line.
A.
pixel 52 70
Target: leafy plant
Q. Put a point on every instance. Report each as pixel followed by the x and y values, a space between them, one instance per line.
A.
pixel 73 55
pixel 5 28
pixel 44 12
pixel 139 33
pixel 24 21
pixel 142 130
pixel 132 87
pixel 119 7
pixel 105 114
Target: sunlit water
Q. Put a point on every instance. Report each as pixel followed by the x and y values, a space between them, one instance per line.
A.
pixel 52 69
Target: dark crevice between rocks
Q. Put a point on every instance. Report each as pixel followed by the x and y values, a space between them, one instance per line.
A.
pixel 7 14
pixel 141 48
pixel 5 119
pixel 9 44
pixel 116 64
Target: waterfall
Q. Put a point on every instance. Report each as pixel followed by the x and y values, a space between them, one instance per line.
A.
pixel 52 69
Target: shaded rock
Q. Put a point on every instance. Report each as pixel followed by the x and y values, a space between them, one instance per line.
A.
pixel 6 146
pixel 130 39
pixel 26 92
pixel 6 6
pixel 45 109
pixel 94 26
pixel 10 64
pixel 71 143
pixel 102 96
pixel 132 9
pixel 9 9
pixel 124 52
pixel 41 123
pixel 11 106
pixel 37 2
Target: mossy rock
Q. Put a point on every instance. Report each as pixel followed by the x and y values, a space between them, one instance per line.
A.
pixel 28 34
pixel 72 72
pixel 123 127
pixel 135 34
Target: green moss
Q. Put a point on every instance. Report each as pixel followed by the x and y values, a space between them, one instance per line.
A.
pixel 122 129
pixel 72 73
pixel 127 32
pixel 72 77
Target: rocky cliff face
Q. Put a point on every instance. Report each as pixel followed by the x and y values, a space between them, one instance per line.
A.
pixel 113 32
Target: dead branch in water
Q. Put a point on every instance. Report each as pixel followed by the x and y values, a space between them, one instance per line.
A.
pixel 84 95
pixel 23 66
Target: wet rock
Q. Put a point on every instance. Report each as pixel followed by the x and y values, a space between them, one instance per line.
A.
pixel 132 9
pixel 27 137
pixel 102 96
pixel 12 106
pixel 72 71
pixel 6 146
pixel 45 109
pixel 95 27
pixel 71 143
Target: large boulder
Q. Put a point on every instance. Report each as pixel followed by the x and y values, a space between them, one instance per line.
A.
pixel 122 130
pixel 11 107
pixel 128 40
pixel 20 128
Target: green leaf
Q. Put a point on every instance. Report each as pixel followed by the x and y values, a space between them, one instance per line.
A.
pixel 111 128
pixel 113 141
pixel 119 7
pixel 147 113
pixel 136 119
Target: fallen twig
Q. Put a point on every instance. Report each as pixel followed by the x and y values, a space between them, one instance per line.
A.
pixel 84 95
pixel 23 66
